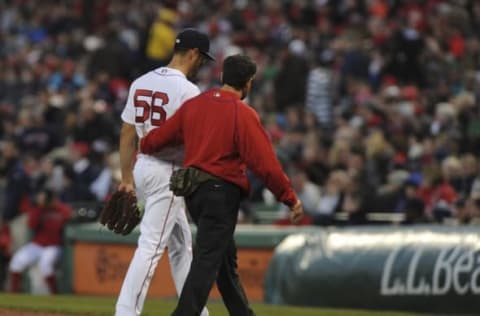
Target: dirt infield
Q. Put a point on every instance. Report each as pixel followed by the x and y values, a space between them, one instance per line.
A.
pixel 8 312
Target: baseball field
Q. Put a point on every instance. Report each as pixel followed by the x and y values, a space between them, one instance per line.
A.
pixel 62 305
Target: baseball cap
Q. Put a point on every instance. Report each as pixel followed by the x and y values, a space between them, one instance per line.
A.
pixel 191 38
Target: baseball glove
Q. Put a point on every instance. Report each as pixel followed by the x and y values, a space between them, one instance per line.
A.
pixel 121 213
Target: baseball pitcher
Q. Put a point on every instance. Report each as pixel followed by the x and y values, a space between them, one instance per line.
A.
pixel 154 98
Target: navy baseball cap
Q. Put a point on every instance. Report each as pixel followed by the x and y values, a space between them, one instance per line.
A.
pixel 191 38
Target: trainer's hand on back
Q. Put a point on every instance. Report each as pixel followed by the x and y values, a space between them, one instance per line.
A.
pixel 296 212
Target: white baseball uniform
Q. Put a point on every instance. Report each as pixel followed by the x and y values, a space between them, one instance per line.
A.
pixel 153 98
pixel 31 253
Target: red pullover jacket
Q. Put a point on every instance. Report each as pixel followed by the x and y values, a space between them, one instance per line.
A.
pixel 222 136
pixel 47 223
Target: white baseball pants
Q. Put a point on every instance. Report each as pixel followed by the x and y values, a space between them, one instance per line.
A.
pixel 164 224
pixel 32 253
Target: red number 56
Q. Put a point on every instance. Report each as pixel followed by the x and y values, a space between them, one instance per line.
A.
pixel 150 109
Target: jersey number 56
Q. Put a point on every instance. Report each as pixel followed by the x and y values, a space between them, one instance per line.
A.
pixel 149 104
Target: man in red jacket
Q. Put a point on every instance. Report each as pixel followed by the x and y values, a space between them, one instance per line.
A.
pixel 46 219
pixel 222 136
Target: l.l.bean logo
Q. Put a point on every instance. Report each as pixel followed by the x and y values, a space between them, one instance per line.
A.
pixel 455 270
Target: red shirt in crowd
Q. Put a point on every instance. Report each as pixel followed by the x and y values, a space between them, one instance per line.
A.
pixel 223 136
pixel 47 223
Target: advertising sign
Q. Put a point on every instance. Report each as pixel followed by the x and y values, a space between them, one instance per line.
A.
pixel 417 268
pixel 99 269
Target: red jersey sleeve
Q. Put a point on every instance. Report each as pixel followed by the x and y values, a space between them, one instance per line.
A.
pixel 66 211
pixel 169 134
pixel 257 152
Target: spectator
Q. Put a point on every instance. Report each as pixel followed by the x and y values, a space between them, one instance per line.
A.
pixel 294 69
pixel 35 138
pixel 469 172
pixel 320 90
pixel 414 208
pixel 93 124
pixel 14 169
pixel 331 198
pixel 307 192
pixel 405 49
pixel 463 211
pixel 111 58
pixel 80 175
pixel 161 38
pixel 391 196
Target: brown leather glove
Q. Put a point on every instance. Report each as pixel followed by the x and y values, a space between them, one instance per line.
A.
pixel 121 213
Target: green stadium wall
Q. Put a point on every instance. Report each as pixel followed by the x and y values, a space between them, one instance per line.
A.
pixel 96 260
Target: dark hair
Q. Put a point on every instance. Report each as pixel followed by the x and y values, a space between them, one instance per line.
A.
pixel 237 70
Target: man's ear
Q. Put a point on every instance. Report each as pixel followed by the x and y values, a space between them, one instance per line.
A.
pixel 192 53
pixel 250 82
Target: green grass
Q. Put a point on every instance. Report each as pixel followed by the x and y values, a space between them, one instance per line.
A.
pixel 103 306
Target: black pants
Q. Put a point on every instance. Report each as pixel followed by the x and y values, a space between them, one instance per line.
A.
pixel 214 209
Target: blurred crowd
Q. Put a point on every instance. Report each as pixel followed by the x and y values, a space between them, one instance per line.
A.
pixel 372 105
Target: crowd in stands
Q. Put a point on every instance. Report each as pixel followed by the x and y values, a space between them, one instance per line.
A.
pixel 372 105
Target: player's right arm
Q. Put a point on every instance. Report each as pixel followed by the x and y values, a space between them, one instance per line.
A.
pixel 128 148
pixel 128 143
